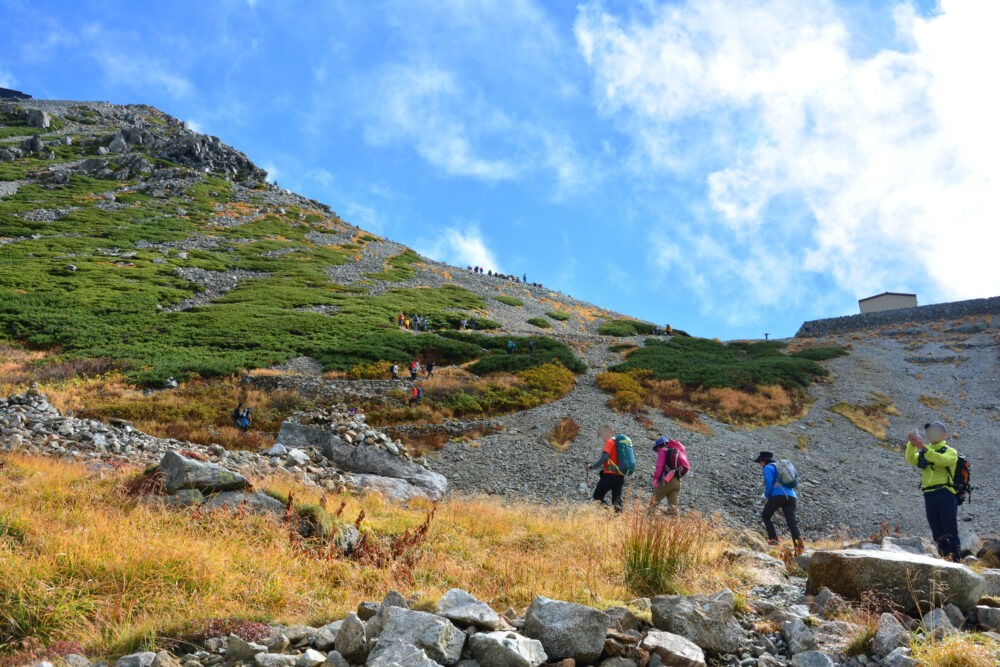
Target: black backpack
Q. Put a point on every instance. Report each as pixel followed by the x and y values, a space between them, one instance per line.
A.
pixel 960 481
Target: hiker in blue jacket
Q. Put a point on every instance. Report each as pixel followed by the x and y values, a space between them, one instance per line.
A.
pixel 778 496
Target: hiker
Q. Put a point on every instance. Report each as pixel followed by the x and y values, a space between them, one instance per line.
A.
pixel 780 493
pixel 395 371
pixel 510 346
pixel 399 320
pixel 245 417
pixel 430 369
pixel 414 369
pixel 938 462
pixel 237 414
pixel 416 396
pixel 671 464
pixel 524 278
pixel 531 347
pixel 612 476
pixel 463 324
pixel 472 323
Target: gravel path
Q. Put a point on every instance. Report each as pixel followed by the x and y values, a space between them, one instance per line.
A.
pixel 851 482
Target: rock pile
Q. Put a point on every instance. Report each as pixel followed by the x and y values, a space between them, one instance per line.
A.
pixel 686 631
pixel 338 451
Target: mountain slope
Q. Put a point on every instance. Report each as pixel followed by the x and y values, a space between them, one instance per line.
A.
pixel 125 236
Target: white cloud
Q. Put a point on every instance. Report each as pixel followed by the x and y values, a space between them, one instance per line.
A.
pixel 7 79
pixel 420 105
pixel 879 171
pixel 271 169
pixel 460 247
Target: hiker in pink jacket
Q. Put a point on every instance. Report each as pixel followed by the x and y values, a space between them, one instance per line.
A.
pixel 671 464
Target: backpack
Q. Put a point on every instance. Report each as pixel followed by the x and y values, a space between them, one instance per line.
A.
pixel 626 456
pixel 960 480
pixel 788 477
pixel 681 465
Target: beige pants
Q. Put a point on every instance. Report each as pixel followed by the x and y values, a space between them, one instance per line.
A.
pixel 669 490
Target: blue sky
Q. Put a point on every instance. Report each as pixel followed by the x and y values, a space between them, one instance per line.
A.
pixel 730 168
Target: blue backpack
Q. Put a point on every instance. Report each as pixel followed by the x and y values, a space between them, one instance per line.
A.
pixel 626 455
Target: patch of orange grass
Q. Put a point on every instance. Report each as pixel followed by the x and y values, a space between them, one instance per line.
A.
pixel 111 573
pixel 563 433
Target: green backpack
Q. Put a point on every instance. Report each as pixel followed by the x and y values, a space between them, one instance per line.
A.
pixel 626 455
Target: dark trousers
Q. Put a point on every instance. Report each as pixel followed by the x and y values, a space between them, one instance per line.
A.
pixel 613 483
pixel 787 506
pixel 942 515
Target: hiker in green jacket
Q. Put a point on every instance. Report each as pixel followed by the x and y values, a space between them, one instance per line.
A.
pixel 938 461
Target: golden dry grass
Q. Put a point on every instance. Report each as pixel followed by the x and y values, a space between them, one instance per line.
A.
pixel 872 418
pixel 81 561
pixel 933 402
pixel 961 650
pixel 563 433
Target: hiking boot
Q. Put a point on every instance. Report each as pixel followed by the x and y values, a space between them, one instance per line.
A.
pixel 773 543
pixel 800 547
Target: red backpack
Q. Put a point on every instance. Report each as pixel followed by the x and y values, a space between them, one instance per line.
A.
pixel 677 458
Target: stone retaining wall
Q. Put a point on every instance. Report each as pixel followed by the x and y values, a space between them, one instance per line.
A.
pixel 937 311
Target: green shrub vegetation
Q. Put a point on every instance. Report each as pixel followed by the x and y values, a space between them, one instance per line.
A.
pixel 400 267
pixel 509 300
pixel 699 362
pixel 559 315
pixel 625 328
pixel 820 353
pixel 494 357
pixel 539 322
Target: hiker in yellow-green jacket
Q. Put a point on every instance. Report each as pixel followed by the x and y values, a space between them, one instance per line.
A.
pixel 937 461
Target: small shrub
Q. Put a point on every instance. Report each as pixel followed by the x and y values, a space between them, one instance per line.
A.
pixel 625 328
pixel 559 316
pixel 563 433
pixel 540 323
pixel 375 370
pixel 509 300
pixel 822 353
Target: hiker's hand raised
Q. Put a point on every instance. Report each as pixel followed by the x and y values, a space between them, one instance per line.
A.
pixel 916 440
pixel 586 466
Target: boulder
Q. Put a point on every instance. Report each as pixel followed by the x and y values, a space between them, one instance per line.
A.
pixel 377 622
pixel 828 603
pixel 363 459
pixel 398 654
pixel 256 502
pixel 890 635
pixel 141 659
pixel 274 660
pixel 812 659
pixel 311 658
pixel 352 639
pixel 181 472
pixel 463 609
pixel 297 457
pixel 442 641
pixel 992 583
pixel 989 553
pixel 117 145
pixel 971 544
pixel 913 545
pixel 988 618
pixel 391 488
pixel 907 579
pixel 798 635
pixel 566 630
pixel 500 649
pixel 623 620
pixel 40 119
pixel 955 615
pixel 239 650
pixel 673 649
pixel 334 659
pixel 706 620
pixel 936 624
pixel 900 658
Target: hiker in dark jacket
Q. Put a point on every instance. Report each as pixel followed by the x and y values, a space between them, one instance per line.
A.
pixel 937 481
pixel 778 497
pixel 237 414
pixel 611 478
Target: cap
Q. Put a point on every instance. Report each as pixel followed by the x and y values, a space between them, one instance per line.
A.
pixel 764 457
pixel 936 424
pixel 660 442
